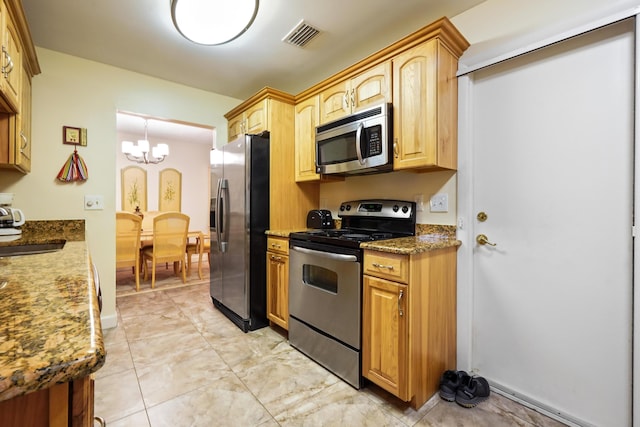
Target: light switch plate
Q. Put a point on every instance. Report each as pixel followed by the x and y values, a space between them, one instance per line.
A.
pixel 93 203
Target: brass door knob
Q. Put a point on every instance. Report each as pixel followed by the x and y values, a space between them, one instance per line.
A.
pixel 484 240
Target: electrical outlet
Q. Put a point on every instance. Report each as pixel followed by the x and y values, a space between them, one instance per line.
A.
pixel 439 203
pixel 93 203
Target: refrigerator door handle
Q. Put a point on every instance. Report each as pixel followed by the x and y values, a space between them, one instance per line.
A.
pixel 219 224
pixel 224 240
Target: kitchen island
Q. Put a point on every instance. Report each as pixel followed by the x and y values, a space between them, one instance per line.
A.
pixel 50 332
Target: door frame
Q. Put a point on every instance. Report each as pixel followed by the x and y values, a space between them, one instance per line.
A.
pixel 465 224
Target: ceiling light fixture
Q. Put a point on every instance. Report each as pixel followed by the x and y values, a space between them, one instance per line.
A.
pixel 213 22
pixel 140 153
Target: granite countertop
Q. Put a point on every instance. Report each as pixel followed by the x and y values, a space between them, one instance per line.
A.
pixel 428 237
pixel 413 244
pixel 281 233
pixel 50 329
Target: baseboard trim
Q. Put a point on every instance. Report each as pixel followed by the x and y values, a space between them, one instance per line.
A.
pixel 109 322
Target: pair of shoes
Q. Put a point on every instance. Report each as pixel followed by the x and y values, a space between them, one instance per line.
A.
pixel 450 382
pixel 472 391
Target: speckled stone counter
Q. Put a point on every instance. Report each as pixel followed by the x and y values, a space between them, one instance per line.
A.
pixel 428 237
pixel 50 329
pixel 412 245
pixel 281 233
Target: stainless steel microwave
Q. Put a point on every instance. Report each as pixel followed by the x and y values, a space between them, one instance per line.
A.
pixel 356 144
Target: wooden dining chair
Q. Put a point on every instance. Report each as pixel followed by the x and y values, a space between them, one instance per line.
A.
pixel 169 244
pixel 128 227
pixel 201 246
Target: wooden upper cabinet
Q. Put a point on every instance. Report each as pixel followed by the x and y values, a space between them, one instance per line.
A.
pixel 23 126
pixel 334 102
pixel 253 120
pixel 425 95
pixel 235 127
pixel 18 64
pixel 306 119
pixel 11 63
pixel 256 117
pixel 372 86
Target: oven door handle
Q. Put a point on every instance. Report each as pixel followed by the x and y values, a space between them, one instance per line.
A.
pixel 329 255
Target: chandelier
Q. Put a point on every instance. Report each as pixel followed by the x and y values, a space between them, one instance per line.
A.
pixel 140 153
pixel 213 22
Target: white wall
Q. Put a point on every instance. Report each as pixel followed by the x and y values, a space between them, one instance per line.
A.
pixel 75 92
pixel 192 160
pixel 395 185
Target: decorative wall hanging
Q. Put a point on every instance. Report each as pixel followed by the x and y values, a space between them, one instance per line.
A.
pixel 170 197
pixel 133 188
pixel 75 169
pixel 74 136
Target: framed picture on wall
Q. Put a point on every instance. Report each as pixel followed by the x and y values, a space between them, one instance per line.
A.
pixel 134 188
pixel 170 187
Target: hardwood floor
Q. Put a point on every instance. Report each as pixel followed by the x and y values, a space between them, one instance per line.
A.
pixel 165 279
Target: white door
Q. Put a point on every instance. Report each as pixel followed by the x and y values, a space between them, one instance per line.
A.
pixel 552 168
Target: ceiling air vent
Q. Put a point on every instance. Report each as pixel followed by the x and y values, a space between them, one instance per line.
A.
pixel 301 34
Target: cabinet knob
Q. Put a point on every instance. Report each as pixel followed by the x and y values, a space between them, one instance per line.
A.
pixel 395 147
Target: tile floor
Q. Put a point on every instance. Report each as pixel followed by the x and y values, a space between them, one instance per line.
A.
pixel 174 360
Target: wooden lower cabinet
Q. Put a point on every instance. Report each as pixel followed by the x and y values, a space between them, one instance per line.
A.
pixel 62 405
pixel 278 281
pixel 385 335
pixel 409 321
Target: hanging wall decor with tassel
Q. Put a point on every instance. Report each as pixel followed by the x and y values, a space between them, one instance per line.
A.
pixel 75 169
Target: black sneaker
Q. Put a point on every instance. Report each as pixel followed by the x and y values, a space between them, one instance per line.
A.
pixel 449 383
pixel 472 391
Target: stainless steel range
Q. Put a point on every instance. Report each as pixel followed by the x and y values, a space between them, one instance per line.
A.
pixel 325 282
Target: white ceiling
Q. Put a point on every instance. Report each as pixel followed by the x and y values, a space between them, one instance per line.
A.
pixel 138 35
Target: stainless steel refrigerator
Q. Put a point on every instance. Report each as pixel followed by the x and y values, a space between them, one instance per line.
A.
pixel 238 254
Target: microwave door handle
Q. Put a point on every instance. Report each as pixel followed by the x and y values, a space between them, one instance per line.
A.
pixel 359 143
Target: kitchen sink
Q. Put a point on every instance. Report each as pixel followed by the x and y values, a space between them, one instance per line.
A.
pixel 30 249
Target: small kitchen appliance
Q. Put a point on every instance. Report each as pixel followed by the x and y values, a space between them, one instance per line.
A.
pixel 320 218
pixel 10 218
pixel 325 282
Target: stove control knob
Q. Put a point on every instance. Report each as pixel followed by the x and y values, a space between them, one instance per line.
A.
pixel 395 208
pixel 405 208
pixel 341 207
pixel 348 208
